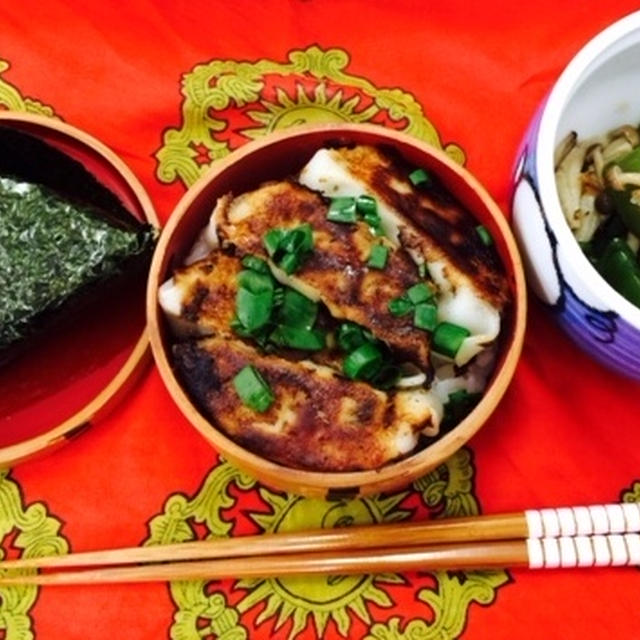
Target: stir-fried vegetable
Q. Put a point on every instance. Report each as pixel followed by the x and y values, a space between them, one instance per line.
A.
pixel 598 184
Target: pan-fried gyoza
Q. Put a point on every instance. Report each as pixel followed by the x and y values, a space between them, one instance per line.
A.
pixel 336 320
pixel 319 420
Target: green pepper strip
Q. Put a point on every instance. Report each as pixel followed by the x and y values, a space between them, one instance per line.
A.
pixel 627 208
pixel 630 163
pixel 619 267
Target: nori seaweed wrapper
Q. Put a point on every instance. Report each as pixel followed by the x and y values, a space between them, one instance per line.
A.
pixel 57 246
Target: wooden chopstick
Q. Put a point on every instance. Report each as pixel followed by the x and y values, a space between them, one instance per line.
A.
pixel 476 528
pixel 535 553
pixel 452 556
pixel 577 536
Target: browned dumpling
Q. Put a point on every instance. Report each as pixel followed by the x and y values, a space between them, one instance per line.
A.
pixel 336 272
pixel 319 420
pixel 200 298
pixel 433 226
pixel 315 416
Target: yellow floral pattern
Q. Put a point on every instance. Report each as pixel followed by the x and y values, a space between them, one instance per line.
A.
pixel 11 99
pixel 309 607
pixel 227 102
pixel 25 531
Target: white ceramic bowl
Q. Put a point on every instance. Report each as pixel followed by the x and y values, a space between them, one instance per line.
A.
pixel 597 91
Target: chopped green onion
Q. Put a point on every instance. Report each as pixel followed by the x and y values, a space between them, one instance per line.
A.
pixel 458 406
pixel 363 363
pixel 374 221
pixel 420 292
pixel 239 328
pixel 342 210
pixel 485 236
pixel 255 264
pixel 378 256
pixel 422 269
pixel 348 210
pixel 292 241
pixel 272 239
pixel 278 296
pixel 253 309
pixel 448 337
pixel 350 336
pixel 307 232
pixel 289 248
pixel 255 282
pixel 290 262
pixel 366 205
pixel 298 239
pixel 387 377
pixel 425 316
pixel 253 390
pixel 258 295
pixel 368 209
pixel 455 397
pixel 400 306
pixel 298 338
pixel 420 178
pixel 297 310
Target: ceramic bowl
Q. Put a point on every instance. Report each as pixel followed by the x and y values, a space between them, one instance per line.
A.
pixel 596 92
pixel 275 157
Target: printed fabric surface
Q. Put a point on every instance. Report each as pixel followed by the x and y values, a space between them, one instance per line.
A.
pixel 174 87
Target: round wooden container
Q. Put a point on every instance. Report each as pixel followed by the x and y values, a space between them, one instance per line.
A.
pixel 54 392
pixel 277 156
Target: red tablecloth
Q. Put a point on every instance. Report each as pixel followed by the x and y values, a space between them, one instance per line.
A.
pixel 148 78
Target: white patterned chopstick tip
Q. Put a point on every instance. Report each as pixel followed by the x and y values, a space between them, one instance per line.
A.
pixel 583 521
pixel 613 550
